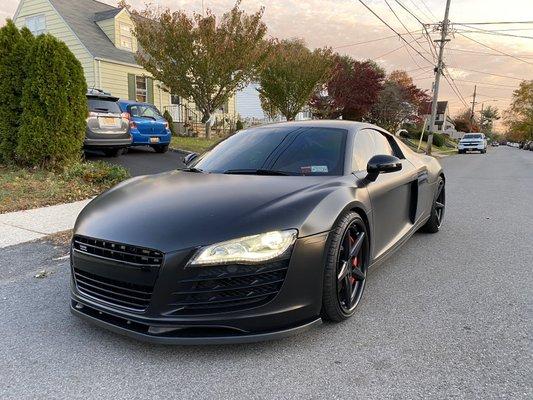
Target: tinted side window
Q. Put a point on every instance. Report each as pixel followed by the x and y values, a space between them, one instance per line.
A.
pixel 381 144
pixel 363 149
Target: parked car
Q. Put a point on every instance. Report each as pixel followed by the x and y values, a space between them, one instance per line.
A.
pixel 472 142
pixel 494 143
pixel 262 237
pixel 527 145
pixel 107 127
pixel 147 126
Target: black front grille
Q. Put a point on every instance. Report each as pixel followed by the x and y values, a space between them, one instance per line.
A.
pixel 124 294
pixel 124 253
pixel 228 288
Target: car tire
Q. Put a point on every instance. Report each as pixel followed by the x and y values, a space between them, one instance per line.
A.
pixel 460 151
pixel 113 152
pixel 336 290
pixel 163 148
pixel 434 222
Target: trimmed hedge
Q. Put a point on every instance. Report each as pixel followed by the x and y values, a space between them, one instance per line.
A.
pixel 54 106
pixel 170 121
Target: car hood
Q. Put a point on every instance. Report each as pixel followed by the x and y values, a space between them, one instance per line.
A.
pixel 179 210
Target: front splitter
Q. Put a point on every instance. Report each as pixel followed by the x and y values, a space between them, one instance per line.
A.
pixel 196 340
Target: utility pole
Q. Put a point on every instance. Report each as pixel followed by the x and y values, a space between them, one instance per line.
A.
pixel 438 72
pixel 472 111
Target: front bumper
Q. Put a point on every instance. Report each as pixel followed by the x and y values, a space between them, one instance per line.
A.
pixel 477 147
pixel 295 307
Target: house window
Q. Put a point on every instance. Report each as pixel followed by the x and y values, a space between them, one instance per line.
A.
pixel 125 36
pixel 36 24
pixel 140 88
pixel 174 99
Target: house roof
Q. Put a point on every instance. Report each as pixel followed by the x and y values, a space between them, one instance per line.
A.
pixel 81 16
pixel 100 16
pixel 441 107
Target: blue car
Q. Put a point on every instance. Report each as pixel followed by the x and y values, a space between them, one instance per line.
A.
pixel 147 125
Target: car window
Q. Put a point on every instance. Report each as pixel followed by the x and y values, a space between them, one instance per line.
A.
pixel 363 149
pixel 314 152
pixel 368 143
pixel 103 106
pixel 145 111
pixel 381 144
pixel 472 136
pixel 294 150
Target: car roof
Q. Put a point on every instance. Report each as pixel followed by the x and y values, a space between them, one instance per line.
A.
pixel 352 126
pixel 131 102
pixel 100 94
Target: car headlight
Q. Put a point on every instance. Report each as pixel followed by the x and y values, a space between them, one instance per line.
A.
pixel 247 250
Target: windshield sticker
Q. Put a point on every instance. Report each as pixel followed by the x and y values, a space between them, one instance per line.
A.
pixel 323 169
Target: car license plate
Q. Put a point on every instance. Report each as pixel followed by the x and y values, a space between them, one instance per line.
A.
pixel 154 140
pixel 108 121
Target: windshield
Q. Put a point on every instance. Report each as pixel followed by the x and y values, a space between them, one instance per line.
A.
pixel 472 136
pixel 103 106
pixel 145 111
pixel 288 150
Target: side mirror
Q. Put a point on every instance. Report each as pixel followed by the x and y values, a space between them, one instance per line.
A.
pixel 189 158
pixel 382 164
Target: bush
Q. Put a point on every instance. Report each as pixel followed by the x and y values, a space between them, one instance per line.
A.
pixel 14 45
pixel 239 125
pixel 98 172
pixel 170 121
pixel 54 106
pixel 439 139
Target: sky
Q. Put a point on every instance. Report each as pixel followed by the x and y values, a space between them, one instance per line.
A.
pixel 342 24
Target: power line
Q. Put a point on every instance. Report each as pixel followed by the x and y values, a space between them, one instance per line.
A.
pixel 396 49
pixel 427 8
pixel 401 22
pixel 487 83
pixel 494 23
pixel 489 32
pixel 394 30
pixel 489 73
pixel 493 49
pixel 422 11
pixel 428 37
pixel 453 85
pixel 374 40
pixel 487 53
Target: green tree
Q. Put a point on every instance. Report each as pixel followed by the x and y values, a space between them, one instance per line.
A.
pixel 14 45
pixel 519 116
pixel 399 101
pixel 488 116
pixel 291 75
pixel 54 106
pixel 202 58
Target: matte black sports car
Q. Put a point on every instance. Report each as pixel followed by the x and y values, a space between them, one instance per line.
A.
pixel 265 235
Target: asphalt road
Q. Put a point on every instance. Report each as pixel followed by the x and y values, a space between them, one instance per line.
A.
pixel 448 316
pixel 143 160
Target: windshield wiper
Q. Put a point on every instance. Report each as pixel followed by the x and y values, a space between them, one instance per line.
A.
pixel 256 172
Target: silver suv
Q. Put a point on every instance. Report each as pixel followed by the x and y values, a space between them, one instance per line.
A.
pixel 108 129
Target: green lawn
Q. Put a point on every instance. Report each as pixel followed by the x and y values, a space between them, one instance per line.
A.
pixel 194 144
pixel 26 188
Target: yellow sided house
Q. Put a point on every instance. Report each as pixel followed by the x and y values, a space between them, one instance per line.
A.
pixel 100 36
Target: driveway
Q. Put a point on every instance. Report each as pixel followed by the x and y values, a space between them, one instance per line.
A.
pixel 448 316
pixel 143 160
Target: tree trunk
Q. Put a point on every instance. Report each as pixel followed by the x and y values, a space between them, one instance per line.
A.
pixel 205 120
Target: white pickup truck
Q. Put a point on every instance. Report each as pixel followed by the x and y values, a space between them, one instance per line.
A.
pixel 472 142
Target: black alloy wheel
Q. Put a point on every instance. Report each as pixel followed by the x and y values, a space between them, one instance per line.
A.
pixel 434 222
pixel 440 202
pixel 346 268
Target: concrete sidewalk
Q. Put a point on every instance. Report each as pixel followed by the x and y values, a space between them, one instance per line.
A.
pixel 24 226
